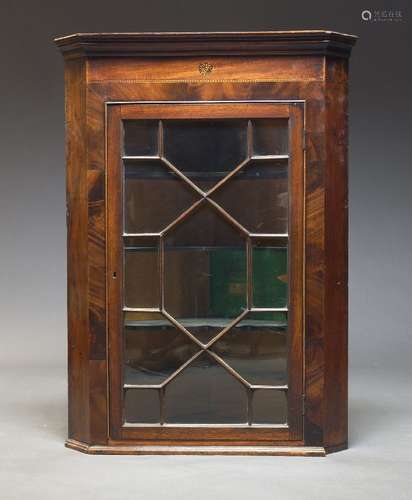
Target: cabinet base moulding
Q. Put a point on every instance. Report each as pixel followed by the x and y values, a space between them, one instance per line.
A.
pixel 293 451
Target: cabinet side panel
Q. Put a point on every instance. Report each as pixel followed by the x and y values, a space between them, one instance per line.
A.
pixel 76 158
pixel 97 302
pixel 315 267
pixel 336 237
pixel 97 264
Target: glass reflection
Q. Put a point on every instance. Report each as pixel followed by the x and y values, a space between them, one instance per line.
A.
pixel 269 407
pixel 146 183
pixel 257 348
pixel 153 349
pixel 141 406
pixel 270 278
pixel 270 137
pixel 262 187
pixel 216 397
pixel 140 137
pixel 205 272
pixel 141 273
pixel 205 150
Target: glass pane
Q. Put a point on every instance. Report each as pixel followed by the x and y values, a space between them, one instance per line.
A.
pixel 205 272
pixel 270 278
pixel 257 196
pixel 269 407
pixel 205 150
pixel 205 393
pixel 257 348
pixel 153 196
pixel 141 406
pixel 154 348
pixel 141 273
pixel 270 137
pixel 140 137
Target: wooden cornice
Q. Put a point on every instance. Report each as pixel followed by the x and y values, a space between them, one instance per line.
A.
pixel 305 42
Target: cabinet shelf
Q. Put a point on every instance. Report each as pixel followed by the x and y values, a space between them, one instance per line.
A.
pixel 207 322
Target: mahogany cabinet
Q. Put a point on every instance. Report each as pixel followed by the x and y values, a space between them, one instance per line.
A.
pixel 207 242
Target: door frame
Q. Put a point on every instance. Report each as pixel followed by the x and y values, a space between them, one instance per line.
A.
pixel 294 111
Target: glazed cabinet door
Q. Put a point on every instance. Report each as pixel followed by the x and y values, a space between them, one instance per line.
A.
pixel 205 271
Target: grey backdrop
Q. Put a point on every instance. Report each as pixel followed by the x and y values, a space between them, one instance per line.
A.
pixel 33 255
